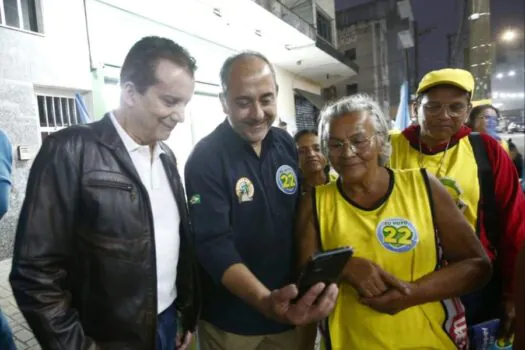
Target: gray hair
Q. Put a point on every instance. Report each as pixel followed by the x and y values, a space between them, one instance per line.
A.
pixel 228 64
pixel 356 103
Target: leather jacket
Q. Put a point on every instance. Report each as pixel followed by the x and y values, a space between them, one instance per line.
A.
pixel 84 268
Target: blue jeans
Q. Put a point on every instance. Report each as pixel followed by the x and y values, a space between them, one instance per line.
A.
pixel 6 336
pixel 167 328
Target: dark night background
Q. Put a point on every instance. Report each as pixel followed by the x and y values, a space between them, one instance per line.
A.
pixel 444 14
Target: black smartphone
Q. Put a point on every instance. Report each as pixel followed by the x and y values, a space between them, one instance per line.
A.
pixel 325 267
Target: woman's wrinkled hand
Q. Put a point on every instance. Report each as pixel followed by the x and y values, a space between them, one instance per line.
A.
pixel 370 280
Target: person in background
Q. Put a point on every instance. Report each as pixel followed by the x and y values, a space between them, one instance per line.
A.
pixel 6 162
pixel 442 144
pixel 104 256
pixel 517 158
pixel 484 119
pixel 313 165
pixel 242 187
pixel 396 292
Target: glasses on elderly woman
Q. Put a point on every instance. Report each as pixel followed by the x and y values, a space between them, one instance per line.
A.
pixel 455 110
pixel 357 145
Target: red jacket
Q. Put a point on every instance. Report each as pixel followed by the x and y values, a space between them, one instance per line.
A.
pixel 510 200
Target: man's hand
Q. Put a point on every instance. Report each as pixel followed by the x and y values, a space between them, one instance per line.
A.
pixel 507 319
pixel 370 280
pixel 391 302
pixel 314 306
pixel 183 340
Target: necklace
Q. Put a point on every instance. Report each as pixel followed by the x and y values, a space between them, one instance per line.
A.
pixel 441 161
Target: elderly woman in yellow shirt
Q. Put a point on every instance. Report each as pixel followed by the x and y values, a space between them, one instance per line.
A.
pixel 415 253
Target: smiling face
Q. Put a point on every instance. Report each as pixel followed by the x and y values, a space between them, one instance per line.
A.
pixel 156 112
pixel 311 160
pixel 353 147
pixel 443 109
pixel 250 101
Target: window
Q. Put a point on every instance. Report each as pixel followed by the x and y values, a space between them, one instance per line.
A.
pixel 351 54
pixel 20 14
pixel 55 113
pixel 351 89
pixel 324 26
pixel 306 114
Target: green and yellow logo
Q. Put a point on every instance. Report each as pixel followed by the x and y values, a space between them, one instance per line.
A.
pixel 455 191
pixel 195 199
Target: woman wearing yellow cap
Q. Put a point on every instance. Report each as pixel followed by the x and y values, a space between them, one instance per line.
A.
pixel 479 176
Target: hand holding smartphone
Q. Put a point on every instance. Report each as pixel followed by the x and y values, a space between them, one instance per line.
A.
pixel 325 267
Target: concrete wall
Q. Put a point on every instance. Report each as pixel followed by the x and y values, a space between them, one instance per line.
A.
pixel 303 9
pixel 58 58
pixel 368 38
pixel 362 40
pixel 328 7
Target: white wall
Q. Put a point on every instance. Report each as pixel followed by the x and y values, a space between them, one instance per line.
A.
pixel 285 101
pixel 113 32
pixel 56 59
pixel 110 43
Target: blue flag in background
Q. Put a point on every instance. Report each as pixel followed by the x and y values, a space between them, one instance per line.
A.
pixel 83 115
pixel 403 113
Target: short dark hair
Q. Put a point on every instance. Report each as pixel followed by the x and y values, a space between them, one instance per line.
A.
pixel 476 112
pixel 304 132
pixel 228 64
pixel 142 59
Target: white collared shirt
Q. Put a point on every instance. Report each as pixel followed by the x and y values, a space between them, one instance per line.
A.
pixel 166 217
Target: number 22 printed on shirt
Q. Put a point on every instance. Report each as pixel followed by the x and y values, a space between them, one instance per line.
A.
pixel 397 235
pixel 286 179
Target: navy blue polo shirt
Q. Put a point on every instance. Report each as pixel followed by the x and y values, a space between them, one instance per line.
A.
pixel 242 208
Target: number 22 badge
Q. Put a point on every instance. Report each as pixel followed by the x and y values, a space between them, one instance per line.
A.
pixel 286 179
pixel 397 235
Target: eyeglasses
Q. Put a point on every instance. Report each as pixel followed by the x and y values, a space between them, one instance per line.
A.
pixel 357 146
pixel 454 110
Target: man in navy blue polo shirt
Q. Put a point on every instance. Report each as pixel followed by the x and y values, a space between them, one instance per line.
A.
pixel 243 190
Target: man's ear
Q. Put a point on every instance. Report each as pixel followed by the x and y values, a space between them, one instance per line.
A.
pixel 224 103
pixel 277 89
pixel 129 93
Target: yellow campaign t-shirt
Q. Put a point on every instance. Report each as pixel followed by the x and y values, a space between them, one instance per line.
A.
pixel 399 236
pixel 458 170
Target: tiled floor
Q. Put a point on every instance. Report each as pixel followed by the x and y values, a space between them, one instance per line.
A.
pixel 24 338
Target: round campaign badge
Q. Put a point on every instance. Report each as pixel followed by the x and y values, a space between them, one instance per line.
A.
pixel 397 235
pixel 244 190
pixel 286 179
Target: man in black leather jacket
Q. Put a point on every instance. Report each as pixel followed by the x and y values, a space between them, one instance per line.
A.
pixel 104 257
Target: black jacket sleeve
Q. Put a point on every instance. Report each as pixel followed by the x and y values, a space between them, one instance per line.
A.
pixel 44 248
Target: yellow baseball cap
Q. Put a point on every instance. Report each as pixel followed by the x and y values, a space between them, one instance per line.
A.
pixel 449 76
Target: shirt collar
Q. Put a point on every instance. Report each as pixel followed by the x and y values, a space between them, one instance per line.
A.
pixel 129 143
pixel 235 139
